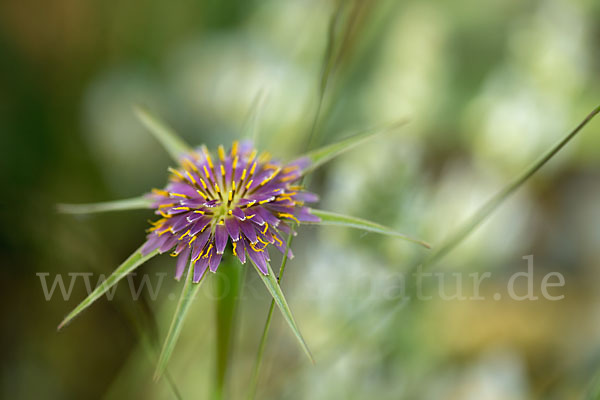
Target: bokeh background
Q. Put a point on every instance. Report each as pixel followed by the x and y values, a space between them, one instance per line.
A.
pixel 488 86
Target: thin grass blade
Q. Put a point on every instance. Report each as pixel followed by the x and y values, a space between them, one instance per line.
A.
pixel 136 203
pixel 128 266
pixel 188 294
pixel 335 219
pixel 488 208
pixel 270 282
pixel 171 142
pixel 324 154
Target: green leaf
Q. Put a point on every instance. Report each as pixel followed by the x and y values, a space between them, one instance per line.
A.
pixel 129 265
pixel 330 218
pixel 188 294
pixel 229 285
pixel 324 154
pixel 488 208
pixel 270 282
pixel 172 143
pixel 135 203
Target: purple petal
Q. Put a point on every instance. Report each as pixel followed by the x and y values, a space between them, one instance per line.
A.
pixel 199 269
pixel 220 238
pixel 258 259
pixel 249 231
pixel 214 261
pixel 240 250
pixel 152 243
pixel 168 244
pixel 238 213
pixel 233 228
pixel 182 260
pixel 304 215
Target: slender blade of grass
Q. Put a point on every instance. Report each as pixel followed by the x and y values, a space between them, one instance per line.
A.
pixel 136 203
pixel 188 294
pixel 273 287
pixel 488 208
pixel 171 142
pixel 128 266
pixel 229 286
pixel 335 219
pixel 324 154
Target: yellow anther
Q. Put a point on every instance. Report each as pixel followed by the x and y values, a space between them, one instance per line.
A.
pixel 160 192
pixel 255 248
pixel 252 155
pixel 199 212
pixel 184 235
pixel 234 163
pixel 203 184
pixel 181 208
pixel 253 168
pixel 286 215
pixel 264 157
pixel 160 233
pixel 234 247
pixel 178 195
pixel 230 212
pixel 191 177
pixel 234 147
pixel 278 240
pixel 262 241
pixel 233 185
pixel 249 183
pixel 177 173
pixel 243 174
pixel 217 187
pixel 266 228
pixel 222 170
pixel 208 250
pixel 264 201
pixel 192 241
pixel 289 178
pixel 221 153
pixel 201 194
pixel 161 212
pixel 250 217
pixel 206 172
pixel 290 168
pixel 230 195
pixel 166 205
pixel 207 156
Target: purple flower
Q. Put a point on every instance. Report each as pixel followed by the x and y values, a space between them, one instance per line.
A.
pixel 236 196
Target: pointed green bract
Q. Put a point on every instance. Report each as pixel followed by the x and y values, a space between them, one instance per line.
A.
pixel 331 218
pixel 172 143
pixel 136 203
pixel 270 282
pixel 188 294
pixel 128 266
pixel 488 208
pixel 324 154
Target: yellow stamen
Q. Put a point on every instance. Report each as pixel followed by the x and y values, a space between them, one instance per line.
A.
pixel 221 153
pixel 264 201
pixel 222 170
pixel 234 163
pixel 192 241
pixel 233 185
pixel 206 172
pixel 201 194
pixel 278 240
pixel 199 212
pixel 234 246
pixel 203 184
pixel 191 177
pixel 230 195
pixel 207 155
pixel 286 215
pixel 184 235
pixel 178 195
pixel 181 208
pixel 249 183
pixel 160 192
pixel 166 205
pixel 217 187
pixel 262 241
pixel 234 147
pixel 253 168
pixel 208 250
pixel 243 174
pixel 266 228
pixel 177 173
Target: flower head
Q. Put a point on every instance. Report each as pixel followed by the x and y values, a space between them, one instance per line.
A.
pixel 236 195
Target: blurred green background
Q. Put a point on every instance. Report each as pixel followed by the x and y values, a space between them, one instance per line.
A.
pixel 488 86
